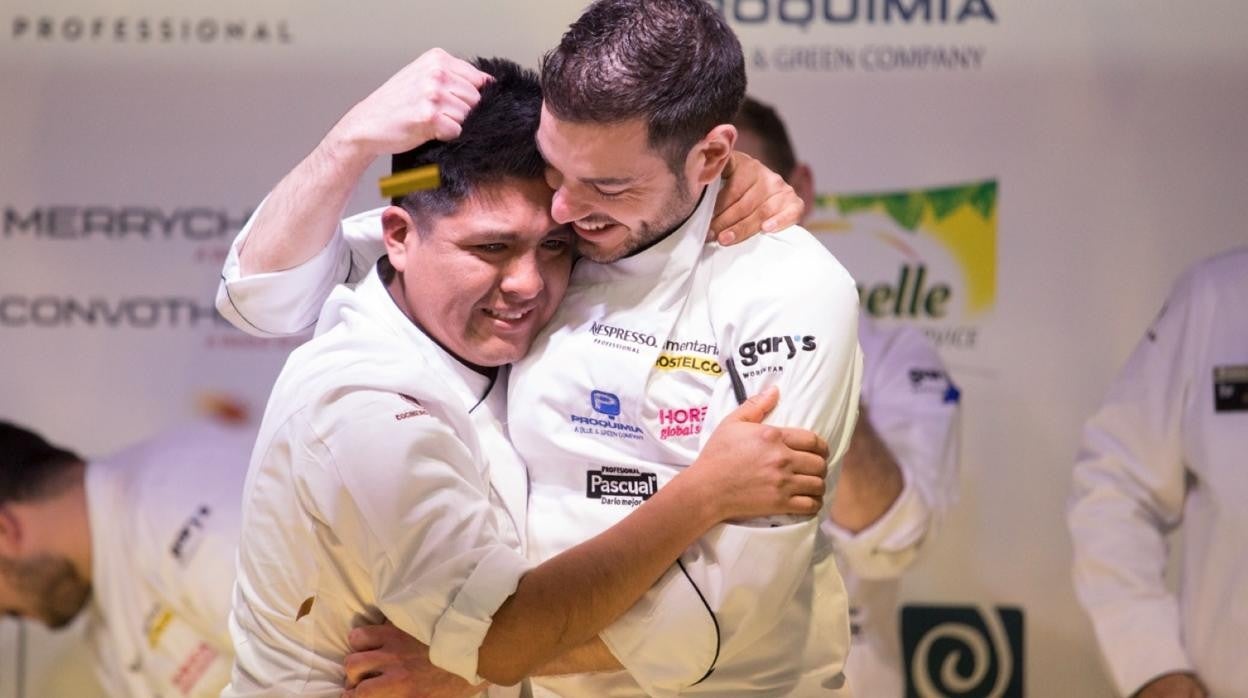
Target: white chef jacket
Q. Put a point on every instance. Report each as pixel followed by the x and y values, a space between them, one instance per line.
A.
pixel 164 519
pixel 753 640
pixel 1167 448
pixel 620 393
pixel 914 406
pixel 370 495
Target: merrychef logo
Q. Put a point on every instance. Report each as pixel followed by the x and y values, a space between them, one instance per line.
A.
pixel 752 351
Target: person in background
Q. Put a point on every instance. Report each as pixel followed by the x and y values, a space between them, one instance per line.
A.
pixel 900 474
pixel 1166 451
pixel 143 541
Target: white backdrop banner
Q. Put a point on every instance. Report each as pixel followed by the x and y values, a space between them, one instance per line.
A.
pixel 1022 180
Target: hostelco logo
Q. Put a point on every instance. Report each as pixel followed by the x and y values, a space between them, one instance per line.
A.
pixel 962 651
pixel 925 257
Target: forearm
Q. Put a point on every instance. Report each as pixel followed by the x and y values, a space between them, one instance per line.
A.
pixel 300 215
pixel 871 480
pixel 567 600
pixel 591 657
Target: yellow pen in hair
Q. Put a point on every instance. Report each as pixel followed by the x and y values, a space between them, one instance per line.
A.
pixel 408 181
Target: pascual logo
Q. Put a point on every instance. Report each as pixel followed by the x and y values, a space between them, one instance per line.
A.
pixel 803 13
pixel 785 347
pixel 148 30
pixel 923 256
pixel 962 651
pixel 141 312
pixel 604 422
pixel 616 485
pixel 681 422
pixel 621 338
pixel 192 223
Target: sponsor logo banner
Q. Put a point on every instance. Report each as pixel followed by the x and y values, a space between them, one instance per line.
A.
pixel 785 35
pixel 148 31
pixel 962 651
pixel 926 257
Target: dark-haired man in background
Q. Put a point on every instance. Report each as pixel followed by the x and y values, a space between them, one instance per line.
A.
pixel 900 474
pixel 143 541
pixel 382 485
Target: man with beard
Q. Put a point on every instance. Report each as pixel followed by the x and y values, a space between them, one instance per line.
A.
pixel 143 541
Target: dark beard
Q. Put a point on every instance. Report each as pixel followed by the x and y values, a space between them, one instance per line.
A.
pixel 56 589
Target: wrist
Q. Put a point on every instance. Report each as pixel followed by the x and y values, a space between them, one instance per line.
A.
pixel 346 153
pixel 695 499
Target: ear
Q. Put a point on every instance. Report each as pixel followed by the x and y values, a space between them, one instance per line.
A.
pixel 803 182
pixel 709 157
pixel 11 532
pixel 397 227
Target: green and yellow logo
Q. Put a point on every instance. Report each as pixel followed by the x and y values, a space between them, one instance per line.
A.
pixel 926 256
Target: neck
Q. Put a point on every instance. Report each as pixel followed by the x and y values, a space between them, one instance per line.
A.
pixel 397 293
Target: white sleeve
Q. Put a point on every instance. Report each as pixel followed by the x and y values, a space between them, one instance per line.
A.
pixel 746 576
pixel 287 302
pixel 417 511
pixel 1129 491
pixel 914 406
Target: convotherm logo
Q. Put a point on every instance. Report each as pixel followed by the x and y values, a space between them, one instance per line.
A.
pixel 962 651
pixel 125 29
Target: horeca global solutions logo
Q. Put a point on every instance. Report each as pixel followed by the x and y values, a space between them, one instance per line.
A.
pixel 926 257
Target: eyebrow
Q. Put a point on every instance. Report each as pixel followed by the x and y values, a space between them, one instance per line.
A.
pixel 594 181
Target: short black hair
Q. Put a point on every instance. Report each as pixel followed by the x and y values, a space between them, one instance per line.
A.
pixel 30 467
pixel 764 121
pixel 498 140
pixel 674 63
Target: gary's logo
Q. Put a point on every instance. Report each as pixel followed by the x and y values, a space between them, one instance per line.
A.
pixel 789 345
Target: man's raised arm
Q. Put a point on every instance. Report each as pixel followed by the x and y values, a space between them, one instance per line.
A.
pixel 293 235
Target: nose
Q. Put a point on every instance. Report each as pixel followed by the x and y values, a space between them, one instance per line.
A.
pixel 522 280
pixel 565 207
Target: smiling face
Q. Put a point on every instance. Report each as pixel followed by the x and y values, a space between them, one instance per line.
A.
pixel 485 278
pixel 616 191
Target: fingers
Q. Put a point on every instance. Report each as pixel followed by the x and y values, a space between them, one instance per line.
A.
pixel 366 637
pixel 805 441
pixel 362 665
pixel 808 464
pixel 804 506
pixel 782 211
pixel 757 407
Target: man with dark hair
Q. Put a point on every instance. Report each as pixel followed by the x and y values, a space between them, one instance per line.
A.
pixel 657 340
pixel 142 541
pixel 382 486
pixel 900 474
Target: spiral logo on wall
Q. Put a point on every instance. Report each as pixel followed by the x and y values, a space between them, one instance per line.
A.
pixel 962 651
